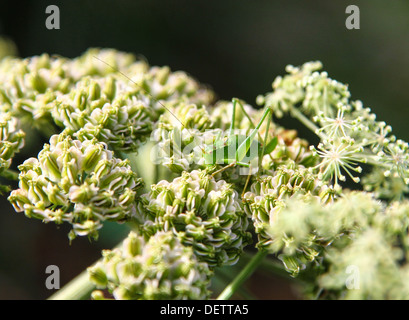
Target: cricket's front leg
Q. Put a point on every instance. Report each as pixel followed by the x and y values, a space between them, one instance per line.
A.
pixel 232 164
pixel 245 145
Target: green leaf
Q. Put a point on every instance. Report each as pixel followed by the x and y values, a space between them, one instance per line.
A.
pixel 271 146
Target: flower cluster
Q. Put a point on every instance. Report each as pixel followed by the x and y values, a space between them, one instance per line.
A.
pixel 11 140
pixel 349 133
pixel 158 269
pixel 107 94
pixel 107 110
pixel 202 212
pixel 269 194
pixel 98 62
pixel 290 149
pixel 349 247
pixel 197 215
pixel 389 188
pixel 28 85
pixel 305 227
pixel 181 136
pixel 78 182
pixel 371 262
pixel 313 90
pixel 102 99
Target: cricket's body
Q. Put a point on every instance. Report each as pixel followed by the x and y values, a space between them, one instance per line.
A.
pixel 225 151
pixel 238 149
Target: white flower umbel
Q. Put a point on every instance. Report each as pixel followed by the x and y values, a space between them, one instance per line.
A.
pixel 349 133
pixel 337 154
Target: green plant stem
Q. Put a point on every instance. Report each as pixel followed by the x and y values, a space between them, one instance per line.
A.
pixel 305 121
pixel 156 173
pixel 270 267
pixel 10 174
pixel 223 278
pixel 78 288
pixel 242 276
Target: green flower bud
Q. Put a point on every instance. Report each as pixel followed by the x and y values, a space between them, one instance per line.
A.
pixel 291 264
pixel 97 295
pixel 132 245
pixel 49 164
pixel 97 275
pixel 18 199
pixel 92 155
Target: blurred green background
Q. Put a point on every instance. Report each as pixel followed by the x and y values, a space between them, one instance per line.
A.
pixel 237 47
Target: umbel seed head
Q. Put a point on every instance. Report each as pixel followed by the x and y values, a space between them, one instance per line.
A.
pixel 161 268
pixel 203 213
pixel 78 182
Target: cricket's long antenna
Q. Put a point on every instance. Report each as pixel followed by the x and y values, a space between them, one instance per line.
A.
pixel 146 92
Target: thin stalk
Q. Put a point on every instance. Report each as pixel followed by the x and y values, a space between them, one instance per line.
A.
pixel 10 174
pixel 305 121
pixel 156 173
pixel 242 276
pixel 269 266
pixel 223 278
pixel 264 145
pixel 233 118
pixel 252 125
